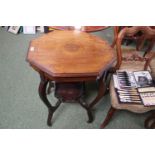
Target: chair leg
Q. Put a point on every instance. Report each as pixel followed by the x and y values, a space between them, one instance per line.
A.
pixel 150 122
pixel 108 117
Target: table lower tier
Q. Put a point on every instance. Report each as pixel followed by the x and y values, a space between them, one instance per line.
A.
pixel 68 92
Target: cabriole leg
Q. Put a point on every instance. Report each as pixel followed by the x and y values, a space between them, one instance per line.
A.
pixel 43 96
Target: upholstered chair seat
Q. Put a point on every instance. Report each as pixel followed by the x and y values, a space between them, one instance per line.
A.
pixel 131 65
pixel 136 108
pixel 116 105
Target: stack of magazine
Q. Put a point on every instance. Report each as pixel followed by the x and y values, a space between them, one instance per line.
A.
pixel 135 87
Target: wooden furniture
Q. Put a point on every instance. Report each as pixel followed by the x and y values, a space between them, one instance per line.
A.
pixel 84 28
pixel 128 39
pixel 132 63
pixel 147 33
pixel 150 120
pixel 116 32
pixel 69 59
pixel 138 38
pixel 151 63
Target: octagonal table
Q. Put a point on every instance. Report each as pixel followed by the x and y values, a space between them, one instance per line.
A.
pixel 69 59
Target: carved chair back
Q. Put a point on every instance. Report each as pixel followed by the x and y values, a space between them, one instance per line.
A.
pixel 146 33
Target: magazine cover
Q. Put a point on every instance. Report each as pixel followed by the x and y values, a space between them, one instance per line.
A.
pixel 143 78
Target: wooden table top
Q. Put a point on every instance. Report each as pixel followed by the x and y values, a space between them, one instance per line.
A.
pixel 84 28
pixel 70 54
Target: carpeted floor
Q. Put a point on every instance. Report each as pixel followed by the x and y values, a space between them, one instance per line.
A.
pixel 21 107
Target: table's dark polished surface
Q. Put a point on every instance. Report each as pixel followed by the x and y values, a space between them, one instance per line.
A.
pixel 67 57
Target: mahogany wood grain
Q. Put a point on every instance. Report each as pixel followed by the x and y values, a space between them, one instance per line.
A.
pixel 70 54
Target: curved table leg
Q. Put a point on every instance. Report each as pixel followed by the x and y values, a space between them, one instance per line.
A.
pixel 85 106
pixel 101 92
pixel 43 96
